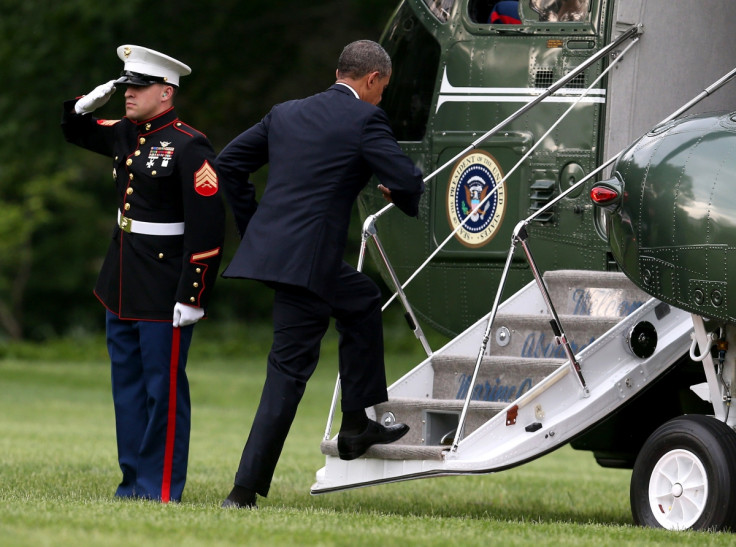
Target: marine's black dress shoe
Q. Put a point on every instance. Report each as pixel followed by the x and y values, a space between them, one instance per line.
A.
pixel 350 447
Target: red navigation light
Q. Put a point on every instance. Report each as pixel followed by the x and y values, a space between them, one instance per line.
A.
pixel 603 195
pixel 608 194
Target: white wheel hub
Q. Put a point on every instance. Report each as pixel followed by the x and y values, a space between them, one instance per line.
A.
pixel 678 490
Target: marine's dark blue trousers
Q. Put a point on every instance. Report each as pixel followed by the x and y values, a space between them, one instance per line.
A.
pixel 300 320
pixel 152 407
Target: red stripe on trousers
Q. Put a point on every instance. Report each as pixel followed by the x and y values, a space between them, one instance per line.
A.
pixel 171 425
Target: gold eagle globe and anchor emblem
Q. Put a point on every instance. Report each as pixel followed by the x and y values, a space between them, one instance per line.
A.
pixel 470 193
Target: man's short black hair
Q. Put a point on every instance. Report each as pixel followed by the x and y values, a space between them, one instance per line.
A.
pixel 361 58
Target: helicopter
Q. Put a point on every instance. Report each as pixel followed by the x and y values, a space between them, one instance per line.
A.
pixel 514 110
pixel 456 75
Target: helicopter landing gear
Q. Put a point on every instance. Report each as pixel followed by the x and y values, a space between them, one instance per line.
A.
pixel 685 476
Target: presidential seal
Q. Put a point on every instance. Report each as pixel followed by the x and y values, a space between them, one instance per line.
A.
pixel 471 195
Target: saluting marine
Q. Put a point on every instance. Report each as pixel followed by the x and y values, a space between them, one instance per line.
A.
pixel 160 266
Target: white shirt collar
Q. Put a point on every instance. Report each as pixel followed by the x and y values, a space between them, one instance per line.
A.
pixel 350 88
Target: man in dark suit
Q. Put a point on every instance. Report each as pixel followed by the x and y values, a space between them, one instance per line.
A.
pixel 321 152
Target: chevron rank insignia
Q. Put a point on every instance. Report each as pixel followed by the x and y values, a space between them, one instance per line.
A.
pixel 205 180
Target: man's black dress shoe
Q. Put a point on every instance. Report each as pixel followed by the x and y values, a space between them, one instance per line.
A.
pixel 228 504
pixel 240 498
pixel 350 447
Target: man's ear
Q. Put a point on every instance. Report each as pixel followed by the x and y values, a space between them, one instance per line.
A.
pixel 372 78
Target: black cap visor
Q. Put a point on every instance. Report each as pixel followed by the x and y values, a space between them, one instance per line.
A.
pixel 142 80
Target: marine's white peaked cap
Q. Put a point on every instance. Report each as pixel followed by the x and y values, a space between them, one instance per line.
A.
pixel 142 61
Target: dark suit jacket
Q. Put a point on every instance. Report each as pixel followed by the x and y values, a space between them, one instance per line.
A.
pixel 321 152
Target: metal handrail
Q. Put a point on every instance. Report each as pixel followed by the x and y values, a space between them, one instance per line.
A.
pixel 631 32
pixel 369 230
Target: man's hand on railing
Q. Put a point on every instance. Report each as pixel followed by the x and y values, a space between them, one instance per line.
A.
pixel 386 193
pixel 407 202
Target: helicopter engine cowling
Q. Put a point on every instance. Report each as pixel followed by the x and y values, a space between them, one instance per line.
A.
pixel 671 213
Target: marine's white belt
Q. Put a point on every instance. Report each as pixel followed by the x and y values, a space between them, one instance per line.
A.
pixel 150 228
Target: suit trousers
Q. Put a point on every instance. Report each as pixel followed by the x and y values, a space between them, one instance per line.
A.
pixel 150 393
pixel 300 320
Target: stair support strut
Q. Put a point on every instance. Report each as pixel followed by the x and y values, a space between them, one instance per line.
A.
pixel 521 237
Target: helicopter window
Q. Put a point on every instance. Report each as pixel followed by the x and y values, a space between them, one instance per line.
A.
pixel 495 12
pixel 415 55
pixel 440 8
pixel 561 10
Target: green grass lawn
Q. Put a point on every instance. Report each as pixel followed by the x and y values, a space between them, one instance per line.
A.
pixel 58 469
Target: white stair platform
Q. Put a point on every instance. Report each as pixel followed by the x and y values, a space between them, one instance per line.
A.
pixel 552 408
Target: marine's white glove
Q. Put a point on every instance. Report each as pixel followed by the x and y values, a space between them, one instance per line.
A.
pixel 186 315
pixel 95 98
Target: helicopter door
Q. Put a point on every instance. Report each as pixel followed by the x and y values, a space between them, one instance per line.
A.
pixel 485 78
pixel 478 196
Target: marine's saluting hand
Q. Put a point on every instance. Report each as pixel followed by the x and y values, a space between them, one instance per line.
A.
pixel 95 98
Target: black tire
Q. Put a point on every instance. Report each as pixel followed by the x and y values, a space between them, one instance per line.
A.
pixel 685 476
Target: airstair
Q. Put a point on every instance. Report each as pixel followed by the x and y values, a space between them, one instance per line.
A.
pixel 528 398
